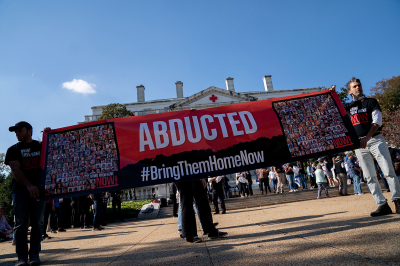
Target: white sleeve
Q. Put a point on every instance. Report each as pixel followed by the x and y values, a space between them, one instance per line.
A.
pixel 219 178
pixel 377 117
pixel 209 179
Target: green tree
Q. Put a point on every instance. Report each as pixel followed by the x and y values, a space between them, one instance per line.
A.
pixel 4 169
pixel 114 110
pixel 391 129
pixel 387 92
pixel 5 198
pixel 343 95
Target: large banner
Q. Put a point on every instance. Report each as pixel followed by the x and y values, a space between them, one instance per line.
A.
pixel 176 146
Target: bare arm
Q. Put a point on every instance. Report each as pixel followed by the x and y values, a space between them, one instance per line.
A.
pixel 20 177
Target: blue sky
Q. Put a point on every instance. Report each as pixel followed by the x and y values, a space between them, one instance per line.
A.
pixel 113 46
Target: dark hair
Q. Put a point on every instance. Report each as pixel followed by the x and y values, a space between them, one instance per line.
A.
pixel 353 79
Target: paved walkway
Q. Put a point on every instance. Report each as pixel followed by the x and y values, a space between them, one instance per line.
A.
pixel 336 231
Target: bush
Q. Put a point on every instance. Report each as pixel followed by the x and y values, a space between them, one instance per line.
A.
pixel 129 209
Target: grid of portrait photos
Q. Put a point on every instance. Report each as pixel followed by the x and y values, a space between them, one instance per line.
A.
pixel 310 123
pixel 76 157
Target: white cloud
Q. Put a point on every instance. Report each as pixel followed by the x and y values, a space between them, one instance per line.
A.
pixel 80 86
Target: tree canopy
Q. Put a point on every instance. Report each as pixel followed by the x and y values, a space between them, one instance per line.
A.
pixel 387 92
pixel 391 128
pixel 114 110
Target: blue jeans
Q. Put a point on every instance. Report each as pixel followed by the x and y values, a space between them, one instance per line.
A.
pixel 180 215
pixel 303 180
pixel 292 184
pixel 274 184
pixel 357 185
pixel 98 215
pixel 27 208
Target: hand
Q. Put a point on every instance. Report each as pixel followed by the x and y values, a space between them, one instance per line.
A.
pixel 363 142
pixel 53 208
pixel 333 88
pixel 33 191
pixel 46 129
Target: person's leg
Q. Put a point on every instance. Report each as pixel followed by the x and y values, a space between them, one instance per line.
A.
pixel 179 216
pixel 21 212
pixel 53 221
pixel 250 189
pixel 380 151
pixel 319 190
pixel 367 164
pixel 215 200
pixel 356 183
pixel 59 218
pixel 174 206
pixel 188 219
pixel 324 185
pixel 290 182
pixel 344 178
pixel 260 184
pixel 340 183
pixel 96 221
pixel 46 217
pixel 73 211
pixel 222 199
pixel 203 207
pixel 36 210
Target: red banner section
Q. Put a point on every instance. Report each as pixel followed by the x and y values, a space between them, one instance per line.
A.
pixel 175 146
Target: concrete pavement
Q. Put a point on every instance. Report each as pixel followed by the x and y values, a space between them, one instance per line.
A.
pixel 336 231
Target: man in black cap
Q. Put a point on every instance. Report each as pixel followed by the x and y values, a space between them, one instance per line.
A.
pixel 24 161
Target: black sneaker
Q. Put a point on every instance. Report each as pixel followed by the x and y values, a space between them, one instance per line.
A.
pixel 382 210
pixel 62 230
pixel 216 212
pixel 53 232
pixel 218 234
pixel 397 204
pixel 194 239
pixel 34 260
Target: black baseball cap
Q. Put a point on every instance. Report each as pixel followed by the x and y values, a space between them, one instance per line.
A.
pixel 20 125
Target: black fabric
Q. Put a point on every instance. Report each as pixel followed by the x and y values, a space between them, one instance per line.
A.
pixel 218 192
pixel 339 169
pixel 28 155
pixel 189 191
pixel 360 113
pixel 301 169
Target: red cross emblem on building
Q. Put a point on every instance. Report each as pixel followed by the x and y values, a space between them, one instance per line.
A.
pixel 213 98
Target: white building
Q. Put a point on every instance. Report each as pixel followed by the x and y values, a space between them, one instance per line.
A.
pixel 207 98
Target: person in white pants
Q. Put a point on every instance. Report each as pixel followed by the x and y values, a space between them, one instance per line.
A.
pixel 366 117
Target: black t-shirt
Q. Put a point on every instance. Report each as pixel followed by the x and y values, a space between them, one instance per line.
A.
pixel 360 113
pixel 28 155
pixel 301 170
